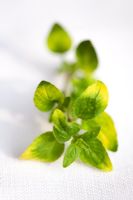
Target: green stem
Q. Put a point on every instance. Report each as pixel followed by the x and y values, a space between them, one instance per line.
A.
pixel 67 84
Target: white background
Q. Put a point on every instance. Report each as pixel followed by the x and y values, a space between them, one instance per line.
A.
pixel 25 61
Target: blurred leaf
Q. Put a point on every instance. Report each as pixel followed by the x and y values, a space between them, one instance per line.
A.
pixel 59 40
pixel 63 130
pixel 91 102
pixel 108 134
pixel 86 56
pixel 69 67
pixel 44 148
pixel 46 95
pixel 71 155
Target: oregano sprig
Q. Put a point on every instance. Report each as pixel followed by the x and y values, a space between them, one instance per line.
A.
pixel 78 115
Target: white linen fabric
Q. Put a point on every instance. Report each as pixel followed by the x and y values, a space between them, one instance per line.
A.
pixel 24 62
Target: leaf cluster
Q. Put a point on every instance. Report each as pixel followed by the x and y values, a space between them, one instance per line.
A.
pixel 78 115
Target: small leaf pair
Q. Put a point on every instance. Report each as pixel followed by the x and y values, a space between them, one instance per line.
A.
pixel 89 150
pixel 59 41
pixel 63 130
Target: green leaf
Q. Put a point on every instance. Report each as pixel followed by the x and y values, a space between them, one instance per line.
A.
pixel 58 39
pixel 93 153
pixel 86 56
pixel 108 134
pixel 44 148
pixel 91 102
pixel 63 130
pixel 46 95
pixel 71 155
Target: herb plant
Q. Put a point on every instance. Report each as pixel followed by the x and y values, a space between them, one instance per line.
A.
pixel 77 113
